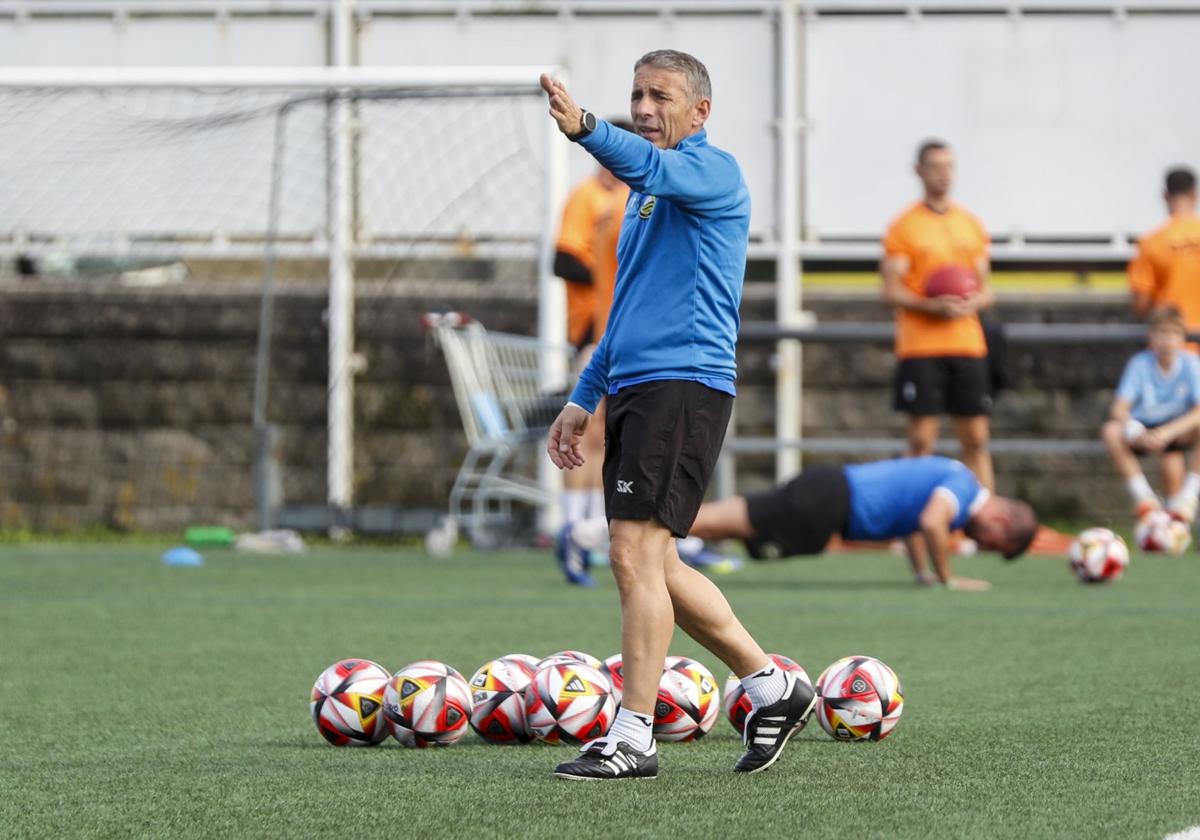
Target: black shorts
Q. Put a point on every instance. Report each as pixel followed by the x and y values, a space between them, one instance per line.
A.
pixel 1183 443
pixel 661 441
pixel 799 517
pixel 955 385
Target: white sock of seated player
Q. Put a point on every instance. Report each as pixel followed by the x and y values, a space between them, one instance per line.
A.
pixel 591 533
pixel 766 686
pixel 1191 486
pixel 633 728
pixel 1139 488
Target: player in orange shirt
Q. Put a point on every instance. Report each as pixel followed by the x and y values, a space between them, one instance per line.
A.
pixel 941 353
pixel 586 258
pixel 1166 269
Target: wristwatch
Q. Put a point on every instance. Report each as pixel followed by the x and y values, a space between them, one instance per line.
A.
pixel 587 124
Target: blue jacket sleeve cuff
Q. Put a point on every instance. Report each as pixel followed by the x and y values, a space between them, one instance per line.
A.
pixel 585 396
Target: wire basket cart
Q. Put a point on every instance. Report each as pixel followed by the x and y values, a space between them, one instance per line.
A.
pixel 498 385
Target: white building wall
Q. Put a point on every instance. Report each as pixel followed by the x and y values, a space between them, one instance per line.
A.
pixel 1063 123
pixel 599 53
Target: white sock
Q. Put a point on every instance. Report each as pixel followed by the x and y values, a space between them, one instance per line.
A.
pixel 1139 488
pixel 1191 486
pixel 591 533
pixel 595 506
pixel 633 728
pixel 766 686
pixel 574 505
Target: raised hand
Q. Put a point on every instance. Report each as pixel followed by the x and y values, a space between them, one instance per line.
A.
pixel 566 113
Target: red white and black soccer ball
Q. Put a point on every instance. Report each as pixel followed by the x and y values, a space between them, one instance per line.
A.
pixel 498 700
pixel 737 704
pixel 427 704
pixel 1159 531
pixel 1098 555
pixel 347 703
pixel 859 699
pixel 524 658
pixel 568 703
pixel 688 701
pixel 614 669
pixel 569 656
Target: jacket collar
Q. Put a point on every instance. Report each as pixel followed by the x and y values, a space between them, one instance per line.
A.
pixel 700 138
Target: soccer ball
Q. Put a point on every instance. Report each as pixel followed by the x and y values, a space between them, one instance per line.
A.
pixel 427 704
pixel 524 658
pixel 568 703
pixel 346 703
pixel 1098 555
pixel 498 700
pixel 614 669
pixel 569 656
pixel 688 701
pixel 737 704
pixel 860 699
pixel 1159 531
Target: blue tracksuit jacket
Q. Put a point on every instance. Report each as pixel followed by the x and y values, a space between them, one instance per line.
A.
pixel 681 259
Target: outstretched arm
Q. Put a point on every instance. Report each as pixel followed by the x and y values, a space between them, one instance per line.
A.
pixel 701 181
pixel 935 528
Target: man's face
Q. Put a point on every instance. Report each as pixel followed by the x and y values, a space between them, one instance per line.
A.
pixel 990 528
pixel 936 171
pixel 662 108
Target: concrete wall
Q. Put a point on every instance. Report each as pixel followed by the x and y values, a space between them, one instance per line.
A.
pixel 131 408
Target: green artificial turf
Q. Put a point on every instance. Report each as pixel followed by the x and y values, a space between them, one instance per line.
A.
pixel 138 700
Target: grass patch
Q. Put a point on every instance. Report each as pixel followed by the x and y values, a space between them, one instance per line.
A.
pixel 145 701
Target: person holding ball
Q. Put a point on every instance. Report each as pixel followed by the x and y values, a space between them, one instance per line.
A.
pixel 935 274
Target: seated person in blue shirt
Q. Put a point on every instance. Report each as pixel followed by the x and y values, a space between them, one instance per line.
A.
pixel 920 500
pixel 1156 411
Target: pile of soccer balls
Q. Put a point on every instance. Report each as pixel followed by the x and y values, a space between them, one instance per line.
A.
pixel 1159 531
pixel 1099 555
pixel 571 697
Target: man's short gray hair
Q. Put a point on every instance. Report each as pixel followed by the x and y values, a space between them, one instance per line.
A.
pixel 696 74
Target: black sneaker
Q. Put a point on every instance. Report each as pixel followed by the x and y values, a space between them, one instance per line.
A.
pixel 769 728
pixel 604 760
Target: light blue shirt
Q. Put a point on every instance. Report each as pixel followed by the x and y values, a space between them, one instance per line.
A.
pixel 1156 396
pixel 681 258
pixel 887 497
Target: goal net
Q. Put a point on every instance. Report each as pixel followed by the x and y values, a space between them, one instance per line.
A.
pixel 137 168
pixel 310 181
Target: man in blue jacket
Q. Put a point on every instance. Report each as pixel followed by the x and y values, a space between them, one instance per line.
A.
pixel 666 364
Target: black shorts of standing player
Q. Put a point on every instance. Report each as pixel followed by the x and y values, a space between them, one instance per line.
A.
pixel 661 441
pixel 801 516
pixel 956 385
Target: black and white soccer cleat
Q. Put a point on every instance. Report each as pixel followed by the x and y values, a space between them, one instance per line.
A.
pixel 602 759
pixel 769 728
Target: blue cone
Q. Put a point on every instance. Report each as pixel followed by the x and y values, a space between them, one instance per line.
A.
pixel 182 555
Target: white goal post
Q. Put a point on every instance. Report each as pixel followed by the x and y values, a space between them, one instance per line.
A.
pixel 342 208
